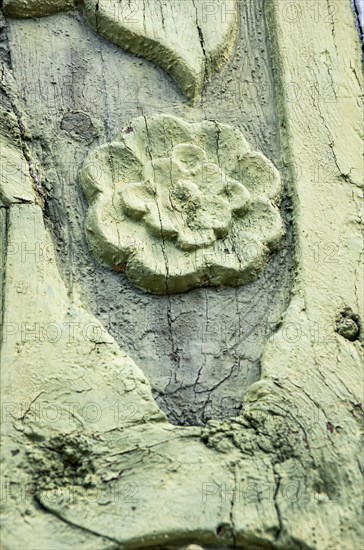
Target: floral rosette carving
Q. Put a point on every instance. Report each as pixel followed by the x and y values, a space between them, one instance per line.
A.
pixel 180 205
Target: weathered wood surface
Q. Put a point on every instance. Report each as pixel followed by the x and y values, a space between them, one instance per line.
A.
pixel 89 459
pixel 200 350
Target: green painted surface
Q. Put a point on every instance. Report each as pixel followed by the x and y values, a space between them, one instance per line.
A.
pixel 188 39
pixel 200 349
pixel 168 206
pixel 88 458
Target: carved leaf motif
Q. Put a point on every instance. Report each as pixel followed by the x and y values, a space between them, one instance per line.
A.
pixel 189 39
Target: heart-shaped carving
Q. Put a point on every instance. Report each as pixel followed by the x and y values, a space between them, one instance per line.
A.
pixel 189 39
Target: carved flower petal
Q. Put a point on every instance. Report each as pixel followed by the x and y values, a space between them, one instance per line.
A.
pixel 190 240
pixel 106 167
pixel 160 222
pixel 135 198
pixel 215 215
pixel 154 136
pixel 221 226
pixel 223 144
pixel 210 179
pixel 259 175
pixel 162 268
pixel 229 267
pixel 147 268
pixel 161 173
pixel 112 238
pixel 190 157
pixel 238 196
pixel 263 222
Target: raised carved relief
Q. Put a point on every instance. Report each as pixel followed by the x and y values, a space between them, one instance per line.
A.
pixel 190 40
pixel 272 369
pixel 179 205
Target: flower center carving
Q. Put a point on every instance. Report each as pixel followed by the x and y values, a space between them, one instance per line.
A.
pixel 179 205
pixel 185 198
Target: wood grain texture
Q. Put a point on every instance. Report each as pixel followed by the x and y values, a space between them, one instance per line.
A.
pixel 200 350
pixel 284 474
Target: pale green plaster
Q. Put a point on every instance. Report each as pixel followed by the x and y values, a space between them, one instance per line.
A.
pixel 298 438
pixel 16 185
pixel 189 39
pixel 168 206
